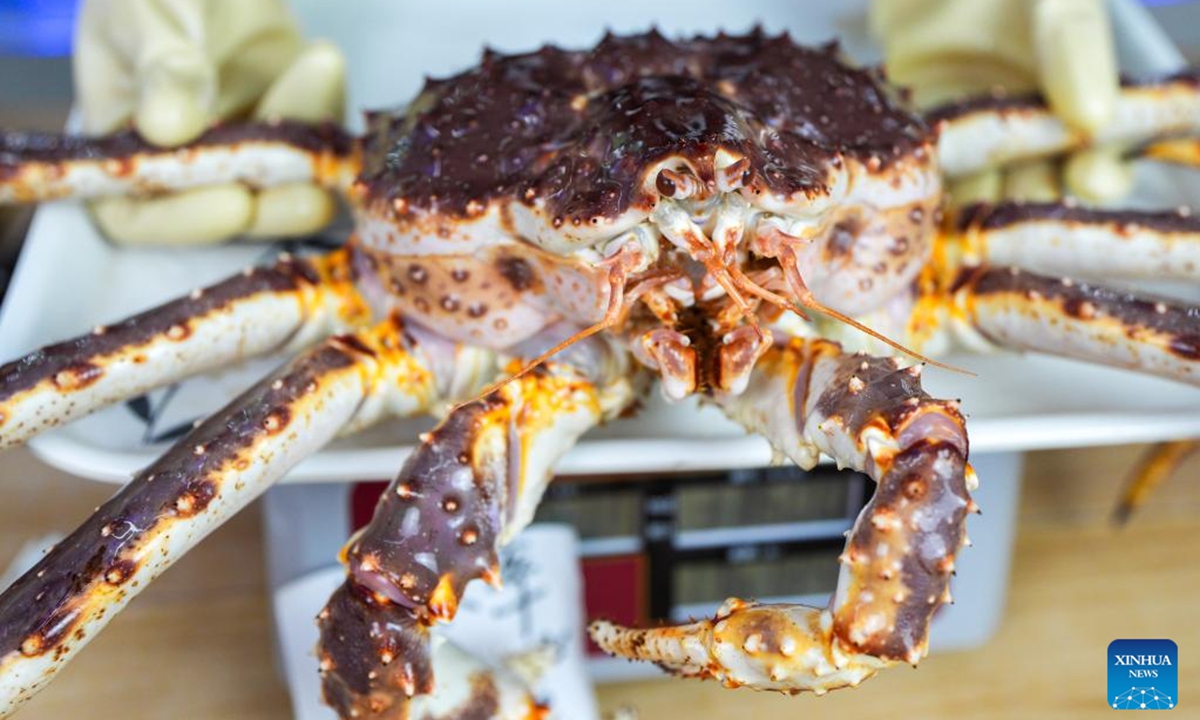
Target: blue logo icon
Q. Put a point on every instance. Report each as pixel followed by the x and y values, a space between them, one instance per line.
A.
pixel 1143 675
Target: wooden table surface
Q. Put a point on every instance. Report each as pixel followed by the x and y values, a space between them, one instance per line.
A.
pixel 198 643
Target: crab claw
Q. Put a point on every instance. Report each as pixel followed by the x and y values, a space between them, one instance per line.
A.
pixel 787 648
pixel 807 398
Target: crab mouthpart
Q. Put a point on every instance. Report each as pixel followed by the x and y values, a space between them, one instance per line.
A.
pixel 670 352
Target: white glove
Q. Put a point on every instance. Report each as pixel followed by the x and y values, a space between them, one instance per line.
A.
pixel 947 49
pixel 172 68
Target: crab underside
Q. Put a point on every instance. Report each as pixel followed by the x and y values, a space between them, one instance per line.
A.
pixel 536 240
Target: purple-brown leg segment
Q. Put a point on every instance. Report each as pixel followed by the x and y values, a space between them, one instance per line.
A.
pixel 292 303
pixel 41 166
pixel 1021 310
pixel 52 611
pixel 1061 239
pixel 808 397
pixel 473 483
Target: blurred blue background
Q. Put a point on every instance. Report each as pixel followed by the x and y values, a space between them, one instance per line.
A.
pixel 36 28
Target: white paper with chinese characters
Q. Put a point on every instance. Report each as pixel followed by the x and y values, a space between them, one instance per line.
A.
pixel 537 613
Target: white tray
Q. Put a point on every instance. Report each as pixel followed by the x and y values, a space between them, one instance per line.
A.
pixel 69 279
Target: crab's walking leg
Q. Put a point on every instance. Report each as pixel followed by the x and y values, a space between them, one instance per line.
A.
pixel 41 166
pixel 53 610
pixel 1025 311
pixel 1157 464
pixel 295 301
pixel 472 484
pixel 870 414
pixel 1176 151
pixel 1060 239
pixel 989 132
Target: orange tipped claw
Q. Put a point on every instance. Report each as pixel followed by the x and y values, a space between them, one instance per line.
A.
pixel 787 648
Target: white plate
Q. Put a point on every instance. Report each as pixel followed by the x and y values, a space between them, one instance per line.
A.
pixel 69 279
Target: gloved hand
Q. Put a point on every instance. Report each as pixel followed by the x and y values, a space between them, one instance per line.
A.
pixel 172 68
pixel 947 49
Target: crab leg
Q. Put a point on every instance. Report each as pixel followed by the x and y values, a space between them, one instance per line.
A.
pixel 1156 465
pixel 260 310
pixel 1025 311
pixel 41 166
pixel 52 611
pixel 1176 151
pixel 1067 239
pixel 473 483
pixel 990 132
pixel 809 397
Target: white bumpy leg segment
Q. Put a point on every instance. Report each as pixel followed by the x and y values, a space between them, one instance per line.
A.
pixel 296 301
pixel 1061 239
pixel 40 166
pixel 1022 310
pixel 990 132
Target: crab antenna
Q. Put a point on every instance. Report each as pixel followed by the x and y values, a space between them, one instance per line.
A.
pixel 745 283
pixel 725 278
pixel 791 274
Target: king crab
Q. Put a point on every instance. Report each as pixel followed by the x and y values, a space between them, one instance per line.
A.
pixel 568 224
